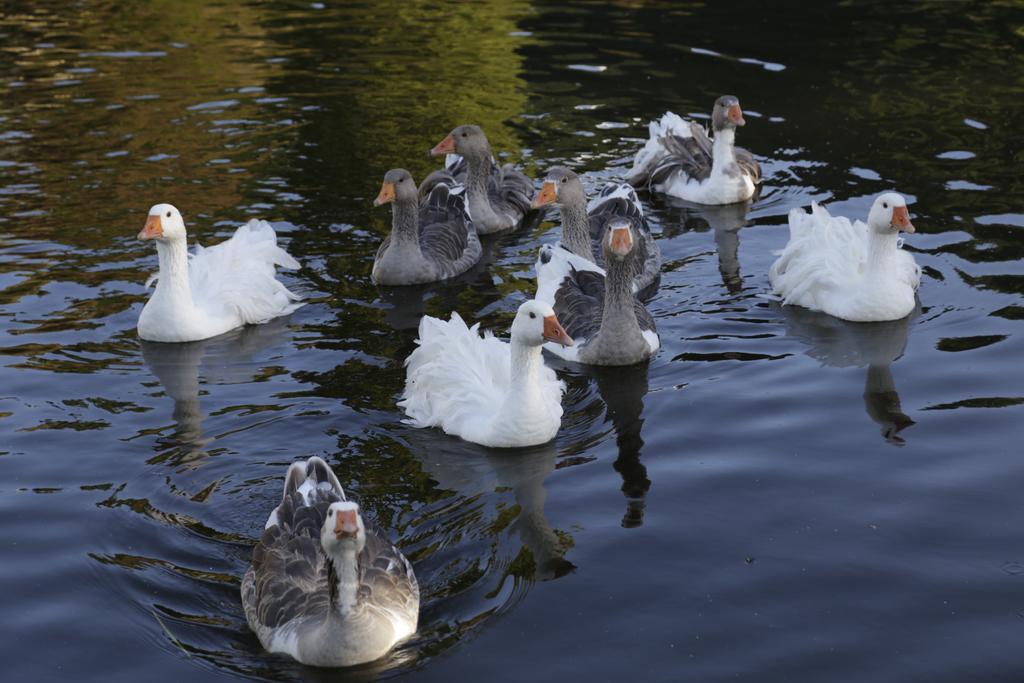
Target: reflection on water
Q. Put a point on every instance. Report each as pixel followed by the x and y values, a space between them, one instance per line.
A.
pixel 623 389
pixel 841 344
pixel 227 359
pixel 132 502
pixel 725 221
pixel 471 471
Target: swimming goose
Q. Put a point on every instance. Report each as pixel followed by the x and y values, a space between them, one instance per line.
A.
pixel 854 271
pixel 499 196
pixel 482 389
pixel 431 238
pixel 681 160
pixel 610 325
pixel 323 588
pixel 583 224
pixel 215 289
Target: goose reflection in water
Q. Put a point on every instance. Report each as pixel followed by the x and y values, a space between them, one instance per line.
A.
pixel 623 389
pixel 841 344
pixel 227 359
pixel 725 221
pixel 469 470
pixel 405 306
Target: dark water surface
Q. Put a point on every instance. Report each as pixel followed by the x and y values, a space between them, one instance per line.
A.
pixel 778 496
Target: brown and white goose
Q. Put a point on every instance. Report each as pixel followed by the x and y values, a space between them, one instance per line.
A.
pixel 499 196
pixel 681 160
pixel 608 323
pixel 584 224
pixel 322 587
pixel 431 236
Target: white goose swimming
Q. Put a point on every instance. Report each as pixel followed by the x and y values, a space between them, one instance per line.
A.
pixel 482 389
pixel 681 160
pixel 216 289
pixel 854 271
pixel 322 588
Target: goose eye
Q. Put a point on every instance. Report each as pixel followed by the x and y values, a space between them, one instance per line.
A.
pixel 885 205
pixel 168 214
pixel 463 135
pixel 533 315
pixel 563 180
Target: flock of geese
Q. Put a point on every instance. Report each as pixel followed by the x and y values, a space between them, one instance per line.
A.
pixel 324 586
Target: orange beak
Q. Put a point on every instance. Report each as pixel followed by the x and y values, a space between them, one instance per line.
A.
pixel 387 194
pixel 554 332
pixel 736 115
pixel 548 195
pixel 153 229
pixel 346 524
pixel 901 219
pixel 622 241
pixel 446 146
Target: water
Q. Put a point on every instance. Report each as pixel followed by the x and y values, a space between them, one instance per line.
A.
pixel 776 496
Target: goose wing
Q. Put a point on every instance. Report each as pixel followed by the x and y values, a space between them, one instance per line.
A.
pixel 388 583
pixel 446 233
pixel 289 579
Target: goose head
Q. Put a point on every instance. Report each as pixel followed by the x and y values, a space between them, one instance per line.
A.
pixel 468 141
pixel 343 529
pixel 535 323
pixel 727 113
pixel 561 186
pixel 618 239
pixel 164 224
pixel 889 214
pixel 398 186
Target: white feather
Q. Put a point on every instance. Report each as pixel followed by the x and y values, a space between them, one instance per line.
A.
pixel 229 285
pixel 460 381
pixel 823 267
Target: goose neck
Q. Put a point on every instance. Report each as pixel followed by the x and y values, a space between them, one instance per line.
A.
pixel 405 223
pixel 173 282
pixel 524 367
pixel 618 299
pixel 346 573
pixel 478 171
pixel 723 149
pixel 576 229
pixel 881 251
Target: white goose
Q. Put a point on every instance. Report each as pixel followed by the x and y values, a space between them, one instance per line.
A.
pixel 482 389
pixel 321 588
pixel 215 289
pixel 681 160
pixel 854 271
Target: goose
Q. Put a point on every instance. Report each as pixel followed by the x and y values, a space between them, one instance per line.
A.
pixel 216 289
pixel 609 324
pixel 681 160
pixel 482 389
pixel 323 588
pixel 499 196
pixel 584 224
pixel 854 271
pixel 431 238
